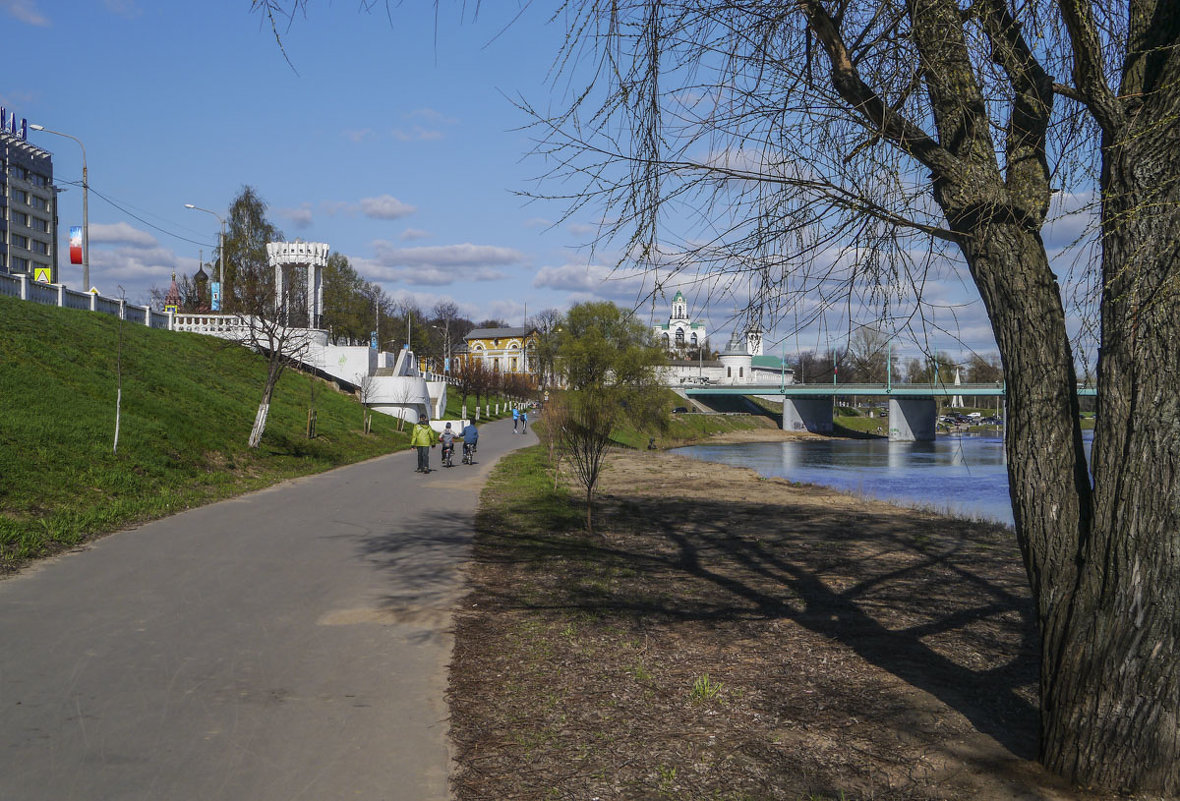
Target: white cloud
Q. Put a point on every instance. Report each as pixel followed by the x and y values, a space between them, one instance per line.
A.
pixel 432 275
pixel 464 255
pixel 534 223
pixel 26 11
pixel 359 134
pixel 413 234
pixel 123 8
pixel 121 233
pixel 581 229
pixel 572 277
pixel 417 134
pixel 430 115
pixel 385 207
pixel 300 217
pixel 586 282
pixel 425 131
pixel 441 265
pixel 136 269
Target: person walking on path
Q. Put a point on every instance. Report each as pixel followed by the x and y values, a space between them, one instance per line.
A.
pixel 515 419
pixel 524 421
pixel 422 438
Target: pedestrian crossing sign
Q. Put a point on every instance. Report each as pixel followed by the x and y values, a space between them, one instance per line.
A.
pixel 42 274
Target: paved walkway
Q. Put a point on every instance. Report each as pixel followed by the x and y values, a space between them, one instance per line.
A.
pixel 288 644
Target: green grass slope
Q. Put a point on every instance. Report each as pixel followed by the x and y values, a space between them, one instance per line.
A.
pixel 187 410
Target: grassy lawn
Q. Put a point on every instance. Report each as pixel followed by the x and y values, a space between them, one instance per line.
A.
pixel 687 428
pixel 454 408
pixel 188 404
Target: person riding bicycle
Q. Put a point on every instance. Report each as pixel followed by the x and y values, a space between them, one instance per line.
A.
pixel 470 439
pixel 447 438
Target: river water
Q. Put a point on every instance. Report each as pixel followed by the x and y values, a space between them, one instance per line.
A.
pixel 965 476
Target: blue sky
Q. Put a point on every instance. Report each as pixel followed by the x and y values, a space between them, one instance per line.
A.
pixel 395 141
pixel 397 144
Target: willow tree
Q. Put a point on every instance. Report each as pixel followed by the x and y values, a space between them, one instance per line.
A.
pixel 853 146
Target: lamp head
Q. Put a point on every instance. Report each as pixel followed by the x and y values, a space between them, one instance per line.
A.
pixel 36 127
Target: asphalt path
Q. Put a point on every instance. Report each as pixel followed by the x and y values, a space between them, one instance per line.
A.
pixel 288 644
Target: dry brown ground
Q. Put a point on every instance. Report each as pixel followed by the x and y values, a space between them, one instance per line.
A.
pixel 732 637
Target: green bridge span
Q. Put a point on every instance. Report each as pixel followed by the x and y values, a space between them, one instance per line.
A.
pixel 913 408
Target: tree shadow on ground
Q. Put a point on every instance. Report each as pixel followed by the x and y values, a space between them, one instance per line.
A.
pixel 932 601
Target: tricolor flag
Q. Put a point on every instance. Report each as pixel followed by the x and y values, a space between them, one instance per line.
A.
pixel 75 244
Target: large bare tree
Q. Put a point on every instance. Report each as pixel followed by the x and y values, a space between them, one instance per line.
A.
pixel 849 148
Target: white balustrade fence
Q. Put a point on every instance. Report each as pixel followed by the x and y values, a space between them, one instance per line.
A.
pixel 23 287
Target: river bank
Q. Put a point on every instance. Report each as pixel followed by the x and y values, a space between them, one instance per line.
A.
pixel 729 636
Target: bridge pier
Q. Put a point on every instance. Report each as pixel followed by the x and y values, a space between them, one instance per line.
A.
pixel 808 414
pixel 912 419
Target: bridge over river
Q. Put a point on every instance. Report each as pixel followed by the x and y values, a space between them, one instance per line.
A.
pixel 913 408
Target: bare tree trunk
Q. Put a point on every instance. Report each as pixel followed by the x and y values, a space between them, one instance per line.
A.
pixel 272 378
pixel 259 424
pixel 1112 717
pixel 1103 559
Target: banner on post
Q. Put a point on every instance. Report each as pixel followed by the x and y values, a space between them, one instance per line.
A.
pixel 75 244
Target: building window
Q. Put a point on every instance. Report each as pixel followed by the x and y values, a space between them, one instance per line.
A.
pixel 679 336
pixel 513 363
pixel 19 241
pixel 729 372
pixel 693 339
pixel 741 371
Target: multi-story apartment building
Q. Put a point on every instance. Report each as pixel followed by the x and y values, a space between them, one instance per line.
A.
pixel 28 205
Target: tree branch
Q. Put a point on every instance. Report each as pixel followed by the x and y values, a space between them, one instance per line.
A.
pixel 868 104
pixel 1028 170
pixel 1088 74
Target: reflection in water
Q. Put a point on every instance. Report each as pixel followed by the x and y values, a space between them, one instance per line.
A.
pixel 965 476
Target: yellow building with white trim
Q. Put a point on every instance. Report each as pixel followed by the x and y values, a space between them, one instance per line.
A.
pixel 504 350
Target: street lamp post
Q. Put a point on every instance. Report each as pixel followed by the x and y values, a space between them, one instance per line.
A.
pixel 220 249
pixel 446 331
pixel 85 205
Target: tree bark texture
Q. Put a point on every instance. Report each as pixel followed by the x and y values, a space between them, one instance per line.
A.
pixel 1112 716
pixel 1102 555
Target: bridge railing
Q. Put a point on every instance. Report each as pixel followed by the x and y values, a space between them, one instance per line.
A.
pixel 878 390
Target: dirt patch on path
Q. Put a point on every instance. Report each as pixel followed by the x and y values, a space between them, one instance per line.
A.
pixel 732 637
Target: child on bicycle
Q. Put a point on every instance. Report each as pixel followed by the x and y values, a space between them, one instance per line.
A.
pixel 447 438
